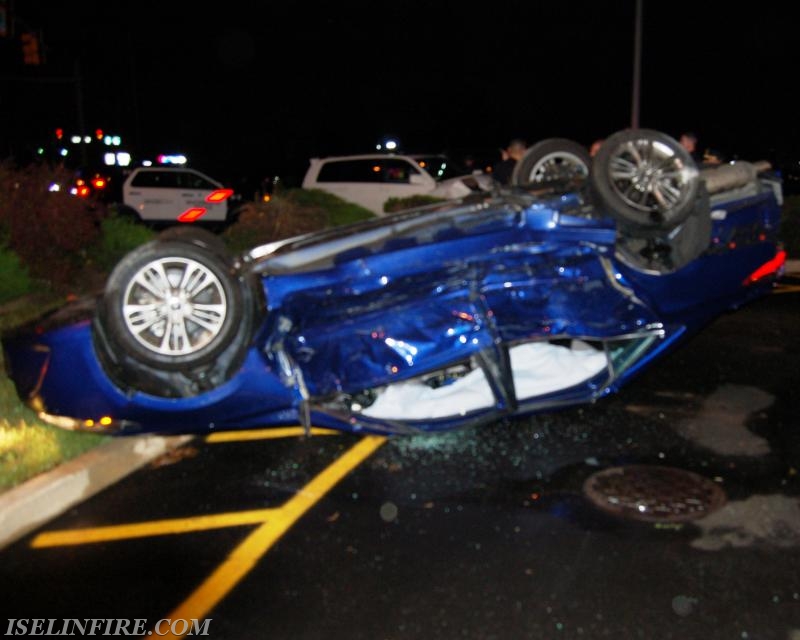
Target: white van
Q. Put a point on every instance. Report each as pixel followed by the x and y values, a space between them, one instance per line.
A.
pixel 371 179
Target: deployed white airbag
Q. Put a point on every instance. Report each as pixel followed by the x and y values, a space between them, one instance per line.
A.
pixel 537 367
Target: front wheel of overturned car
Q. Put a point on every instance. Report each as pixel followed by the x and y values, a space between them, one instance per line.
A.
pixel 646 180
pixel 552 162
pixel 175 318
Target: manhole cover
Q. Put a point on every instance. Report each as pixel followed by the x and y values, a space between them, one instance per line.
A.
pixel 653 493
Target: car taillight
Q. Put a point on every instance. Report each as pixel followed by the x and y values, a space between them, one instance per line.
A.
pixel 99 182
pixel 768 268
pixel 219 195
pixel 190 215
pixel 82 189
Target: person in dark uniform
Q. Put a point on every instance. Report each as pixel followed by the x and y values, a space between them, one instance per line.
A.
pixel 688 141
pixel 503 169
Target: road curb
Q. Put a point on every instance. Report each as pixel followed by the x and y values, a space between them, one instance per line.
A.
pixel 33 503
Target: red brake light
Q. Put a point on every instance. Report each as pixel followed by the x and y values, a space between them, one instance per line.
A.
pixel 99 182
pixel 219 195
pixel 190 215
pixel 768 268
pixel 83 191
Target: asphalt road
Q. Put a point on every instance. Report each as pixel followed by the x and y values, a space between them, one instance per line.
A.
pixel 479 534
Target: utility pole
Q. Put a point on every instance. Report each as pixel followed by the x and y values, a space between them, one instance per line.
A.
pixel 637 66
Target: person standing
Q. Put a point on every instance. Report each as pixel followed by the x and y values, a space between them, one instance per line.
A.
pixel 688 141
pixel 509 157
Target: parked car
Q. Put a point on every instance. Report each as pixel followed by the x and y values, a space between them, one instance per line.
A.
pixel 452 314
pixel 371 179
pixel 84 184
pixel 168 194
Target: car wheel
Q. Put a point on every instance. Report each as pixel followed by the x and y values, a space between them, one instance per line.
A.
pixel 550 162
pixel 197 236
pixel 646 180
pixel 172 304
pixel 175 318
pixel 670 251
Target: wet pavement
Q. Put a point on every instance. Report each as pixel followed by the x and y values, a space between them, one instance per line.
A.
pixel 479 534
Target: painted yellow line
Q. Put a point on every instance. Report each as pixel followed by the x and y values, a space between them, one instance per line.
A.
pixel 152 528
pixel 265 434
pixel 244 557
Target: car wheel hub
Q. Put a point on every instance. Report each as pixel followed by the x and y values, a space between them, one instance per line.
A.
pixel 174 306
pixel 558 166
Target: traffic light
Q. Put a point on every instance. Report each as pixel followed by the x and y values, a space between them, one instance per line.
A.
pixel 30 48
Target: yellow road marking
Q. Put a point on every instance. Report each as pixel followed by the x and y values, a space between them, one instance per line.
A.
pixel 152 528
pixel 264 434
pixel 244 557
pixel 273 523
pixel 177 525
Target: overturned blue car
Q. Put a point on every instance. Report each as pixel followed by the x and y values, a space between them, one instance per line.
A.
pixel 552 292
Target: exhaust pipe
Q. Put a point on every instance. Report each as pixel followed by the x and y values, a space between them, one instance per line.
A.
pixel 728 176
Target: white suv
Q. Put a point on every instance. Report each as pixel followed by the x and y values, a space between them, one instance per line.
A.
pixel 177 194
pixel 371 179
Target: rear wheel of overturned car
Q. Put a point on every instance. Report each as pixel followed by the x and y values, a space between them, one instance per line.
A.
pixel 175 318
pixel 552 162
pixel 646 180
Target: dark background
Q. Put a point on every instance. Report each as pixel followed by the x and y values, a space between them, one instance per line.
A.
pixel 258 88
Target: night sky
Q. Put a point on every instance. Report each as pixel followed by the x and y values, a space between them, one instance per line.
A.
pixel 259 87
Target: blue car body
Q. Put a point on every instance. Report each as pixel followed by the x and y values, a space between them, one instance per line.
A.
pixel 421 303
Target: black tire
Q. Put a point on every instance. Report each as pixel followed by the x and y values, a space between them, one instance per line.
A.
pixel 552 162
pixel 646 180
pixel 172 304
pixel 672 251
pixel 198 236
pixel 133 363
